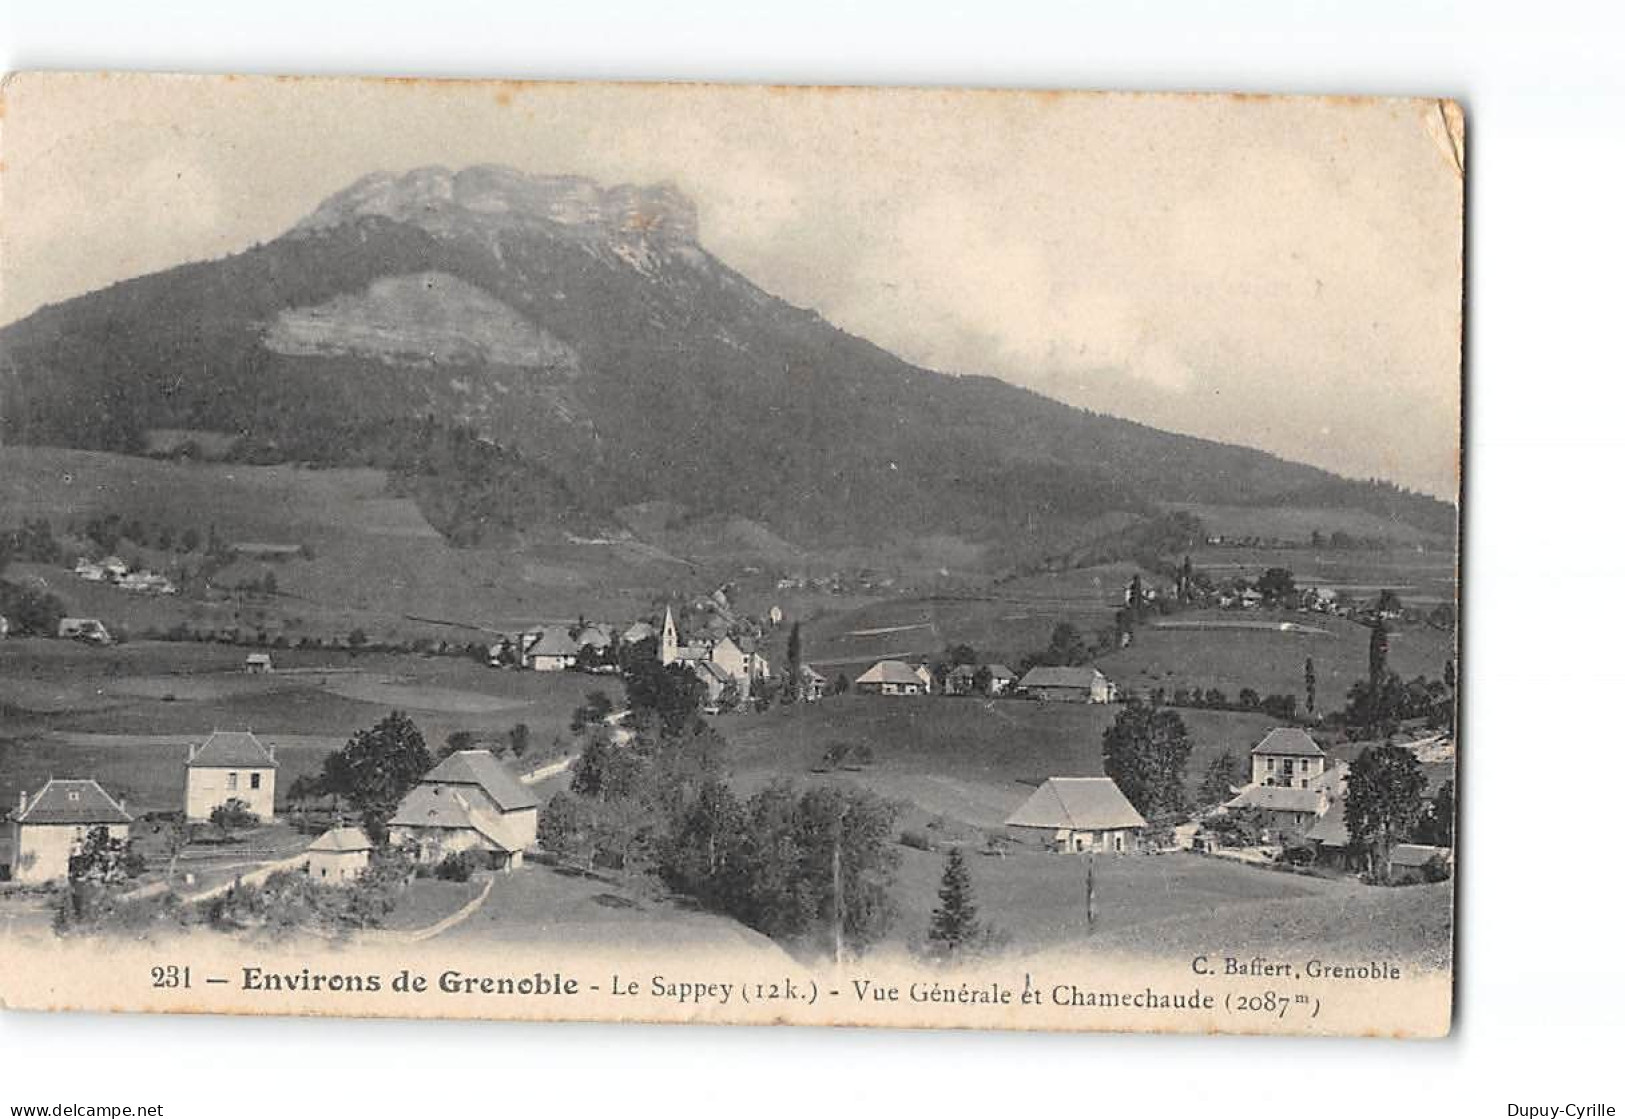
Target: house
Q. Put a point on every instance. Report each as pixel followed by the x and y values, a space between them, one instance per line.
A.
pixel 1281 809
pixel 960 680
pixel 813 684
pixel 468 802
pixel 550 650
pixel 891 678
pixel 47 830
pixel 716 681
pixel 727 655
pixel 89 630
pixel 257 663
pixel 775 616
pixel 229 765
pixel 1068 684
pixel 596 638
pixel 1408 862
pixel 1081 814
pixel 1288 757
pixel 115 568
pixel 1330 836
pixel 338 855
pixel 148 582
pixel 1000 679
pixel 5 627
pixel 92 572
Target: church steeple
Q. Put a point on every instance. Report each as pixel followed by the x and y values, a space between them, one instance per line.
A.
pixel 668 640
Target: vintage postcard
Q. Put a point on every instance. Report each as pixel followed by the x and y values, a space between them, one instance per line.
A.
pixel 704 553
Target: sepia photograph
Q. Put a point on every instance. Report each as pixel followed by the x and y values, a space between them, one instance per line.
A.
pixel 730 553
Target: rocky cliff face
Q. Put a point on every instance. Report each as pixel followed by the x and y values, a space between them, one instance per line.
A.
pixel 486 198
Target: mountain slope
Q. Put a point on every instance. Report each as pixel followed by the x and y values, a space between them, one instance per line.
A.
pixel 586 332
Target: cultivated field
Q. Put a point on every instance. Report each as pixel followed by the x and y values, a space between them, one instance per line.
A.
pixel 125 715
pixel 1231 650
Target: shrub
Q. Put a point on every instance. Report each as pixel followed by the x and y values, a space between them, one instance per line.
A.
pixel 458 867
pixel 917 840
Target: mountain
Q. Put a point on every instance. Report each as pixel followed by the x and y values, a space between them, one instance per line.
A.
pixel 579 344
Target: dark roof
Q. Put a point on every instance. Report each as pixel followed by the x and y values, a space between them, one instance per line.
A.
pixel 73 801
pixel 480 768
pixel 1079 803
pixel 552 643
pixel 227 748
pixel 1001 672
pixel 1061 676
pixel 1289 741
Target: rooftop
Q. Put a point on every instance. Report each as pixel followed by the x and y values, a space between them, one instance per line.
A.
pixel 1290 742
pixel 342 839
pixel 73 801
pixel 227 748
pixel 481 768
pixel 1079 803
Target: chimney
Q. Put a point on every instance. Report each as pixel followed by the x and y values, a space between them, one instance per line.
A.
pixel 191 752
pixel 270 751
pixel 22 801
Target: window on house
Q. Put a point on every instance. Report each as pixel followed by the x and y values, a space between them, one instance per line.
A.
pixel 231 781
pixel 253 780
pixel 73 794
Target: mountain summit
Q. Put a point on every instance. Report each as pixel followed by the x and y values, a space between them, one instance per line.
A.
pixel 527 350
pixel 440 201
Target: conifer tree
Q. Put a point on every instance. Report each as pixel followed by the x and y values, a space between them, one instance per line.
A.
pixel 953 922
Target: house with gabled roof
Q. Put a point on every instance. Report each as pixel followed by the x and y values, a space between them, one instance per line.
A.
pixel 50 826
pixel 1000 679
pixel 550 650
pixel 891 678
pixel 468 802
pixel 1288 757
pixel 230 765
pixel 1408 862
pixel 1282 809
pixel 1067 684
pixel 338 855
pixel 1081 814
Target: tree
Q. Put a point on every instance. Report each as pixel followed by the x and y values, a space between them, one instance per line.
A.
pixel 1277 585
pixel 1383 804
pixel 1223 774
pixel 1376 671
pixel 234 813
pixel 519 739
pixel 377 767
pixel 1437 827
pixel 591 712
pixel 1309 684
pixel 670 693
pixel 792 655
pixel 1248 699
pixel 953 922
pixel 840 685
pixel 1145 751
pixel 103 860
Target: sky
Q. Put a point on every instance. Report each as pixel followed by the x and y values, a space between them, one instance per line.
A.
pixel 1280 273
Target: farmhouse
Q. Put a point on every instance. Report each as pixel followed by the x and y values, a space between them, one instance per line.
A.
pixel 47 830
pixel 1408 861
pixel 594 637
pixel 1287 757
pixel 467 803
pixel 338 855
pixel 1282 809
pixel 230 765
pixel 892 678
pixel 1068 684
pixel 1000 679
pixel 1081 814
pixel 1330 836
pixel 551 650
pixel 716 681
pixel 813 684
pixel 257 663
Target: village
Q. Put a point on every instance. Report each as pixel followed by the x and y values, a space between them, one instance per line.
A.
pixel 246 836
